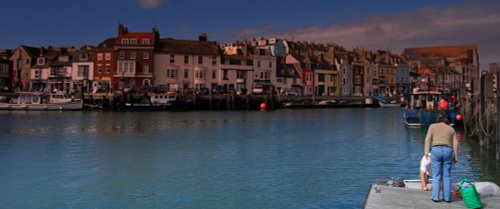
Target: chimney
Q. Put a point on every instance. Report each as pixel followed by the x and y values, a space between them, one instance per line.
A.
pixel 203 37
pixel 122 29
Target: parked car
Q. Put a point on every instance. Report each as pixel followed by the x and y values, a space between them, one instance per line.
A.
pixel 218 90
pixel 202 91
pixel 130 89
pixel 258 90
pixel 160 89
pixel 242 91
pixel 291 93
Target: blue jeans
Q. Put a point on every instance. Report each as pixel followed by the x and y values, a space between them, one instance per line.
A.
pixel 442 160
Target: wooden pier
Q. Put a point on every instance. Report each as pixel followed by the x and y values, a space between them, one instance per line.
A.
pixel 387 197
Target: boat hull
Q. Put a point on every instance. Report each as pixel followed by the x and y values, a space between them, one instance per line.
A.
pixel 382 104
pixel 74 105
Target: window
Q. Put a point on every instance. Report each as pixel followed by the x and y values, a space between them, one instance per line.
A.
pixel 84 56
pixel 4 68
pixel 125 41
pixel 224 76
pixel 133 41
pixel 186 59
pixel 133 55
pixel 321 77
pixel 108 69
pixel 40 61
pixel 99 56
pixel 214 74
pixel 200 74
pixel 99 69
pixel 309 77
pixel 200 60
pixel 186 73
pixel 172 58
pixel 145 69
pixel 145 55
pixel 171 73
pixel 270 64
pixel 19 64
pixel 83 71
pixel 146 42
pixel 107 56
pixel 126 67
pixel 37 74
pixel 57 71
pixel 258 63
pixel 357 79
pixel 240 74
pixel 264 75
pixel 214 60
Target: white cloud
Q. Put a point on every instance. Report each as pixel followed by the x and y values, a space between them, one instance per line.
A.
pixel 473 23
pixel 149 4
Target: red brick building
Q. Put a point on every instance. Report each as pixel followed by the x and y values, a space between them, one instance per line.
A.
pixel 105 66
pixel 135 58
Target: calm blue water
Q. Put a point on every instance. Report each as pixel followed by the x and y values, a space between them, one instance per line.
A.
pixel 316 158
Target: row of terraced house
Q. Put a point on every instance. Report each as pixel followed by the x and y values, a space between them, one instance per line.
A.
pixel 144 61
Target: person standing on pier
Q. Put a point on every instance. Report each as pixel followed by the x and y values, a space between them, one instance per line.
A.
pixel 442 142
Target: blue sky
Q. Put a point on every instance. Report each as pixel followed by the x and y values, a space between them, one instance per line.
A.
pixel 383 24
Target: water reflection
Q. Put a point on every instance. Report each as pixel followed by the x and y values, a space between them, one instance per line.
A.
pixel 481 159
pixel 277 159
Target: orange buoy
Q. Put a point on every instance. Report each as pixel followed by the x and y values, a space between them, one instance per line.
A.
pixel 443 105
pixel 458 117
pixel 263 106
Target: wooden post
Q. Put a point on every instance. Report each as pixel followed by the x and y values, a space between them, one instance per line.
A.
pixel 497 138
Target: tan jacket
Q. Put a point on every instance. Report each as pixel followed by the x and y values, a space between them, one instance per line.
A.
pixel 441 134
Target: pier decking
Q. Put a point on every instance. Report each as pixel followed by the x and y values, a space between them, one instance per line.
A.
pixel 387 197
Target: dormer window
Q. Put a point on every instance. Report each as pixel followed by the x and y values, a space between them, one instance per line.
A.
pixel 146 42
pixel 84 56
pixel 63 58
pixel 40 61
pixel 125 41
pixel 133 41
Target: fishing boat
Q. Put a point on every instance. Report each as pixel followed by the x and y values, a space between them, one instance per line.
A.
pixel 155 101
pixel 41 101
pixel 425 107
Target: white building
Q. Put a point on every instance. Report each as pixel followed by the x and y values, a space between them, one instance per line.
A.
pixel 184 64
pixel 82 74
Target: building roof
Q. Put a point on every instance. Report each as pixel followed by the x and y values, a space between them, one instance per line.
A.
pixel 187 47
pixel 136 35
pixel 32 51
pixel 237 60
pixel 444 51
pixel 109 43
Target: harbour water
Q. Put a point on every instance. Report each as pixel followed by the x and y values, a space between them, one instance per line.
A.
pixel 302 158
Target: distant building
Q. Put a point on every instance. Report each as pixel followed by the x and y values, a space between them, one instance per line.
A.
pixel 83 70
pixel 105 67
pixel 447 61
pixel 184 64
pixel 134 53
pixel 23 58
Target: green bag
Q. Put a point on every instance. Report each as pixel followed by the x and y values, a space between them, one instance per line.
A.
pixel 469 194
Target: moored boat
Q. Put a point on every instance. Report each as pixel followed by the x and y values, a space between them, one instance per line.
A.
pixel 424 108
pixel 390 104
pixel 155 101
pixel 41 101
